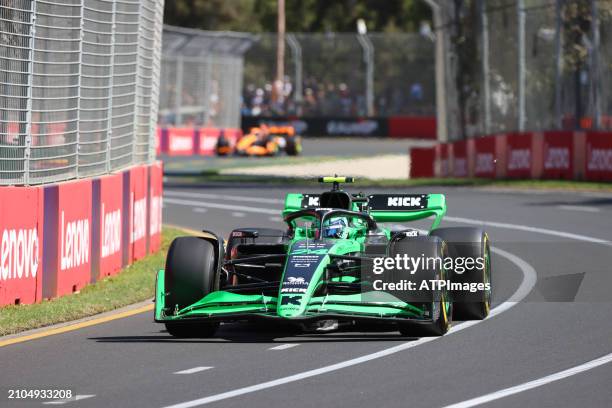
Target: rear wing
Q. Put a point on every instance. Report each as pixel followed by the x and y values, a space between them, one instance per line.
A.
pixel 382 207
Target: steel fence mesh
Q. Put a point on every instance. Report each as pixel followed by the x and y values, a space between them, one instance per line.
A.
pixel 605 65
pixel 332 70
pixel 201 77
pixel 76 86
pixel 566 65
pixel 15 65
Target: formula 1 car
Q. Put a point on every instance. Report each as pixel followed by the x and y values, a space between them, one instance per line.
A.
pixel 263 141
pixel 322 268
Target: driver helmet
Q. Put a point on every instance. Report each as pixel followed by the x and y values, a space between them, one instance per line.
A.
pixel 336 228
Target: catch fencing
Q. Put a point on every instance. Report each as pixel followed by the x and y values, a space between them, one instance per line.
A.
pixel 527 65
pixel 79 85
pixel 201 77
pixel 342 75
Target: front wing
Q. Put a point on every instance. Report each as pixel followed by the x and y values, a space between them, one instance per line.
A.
pixel 227 306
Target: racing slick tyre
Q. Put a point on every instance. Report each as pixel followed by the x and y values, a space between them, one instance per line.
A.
pixel 435 299
pixel 469 242
pixel 190 275
pixel 294 146
pixel 223 146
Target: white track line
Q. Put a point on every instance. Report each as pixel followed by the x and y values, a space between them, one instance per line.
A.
pixel 527 228
pixel 199 210
pixel 529 278
pixel 186 194
pixel 238 214
pixel 284 346
pixel 533 384
pixel 221 206
pixel 67 400
pixel 583 208
pixel 193 370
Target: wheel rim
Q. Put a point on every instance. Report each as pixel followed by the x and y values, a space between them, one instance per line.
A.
pixel 487 275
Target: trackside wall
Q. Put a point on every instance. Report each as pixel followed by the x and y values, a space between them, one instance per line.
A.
pixel 57 238
pixel 568 155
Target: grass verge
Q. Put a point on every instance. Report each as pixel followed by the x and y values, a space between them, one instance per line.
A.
pixel 560 185
pixel 134 284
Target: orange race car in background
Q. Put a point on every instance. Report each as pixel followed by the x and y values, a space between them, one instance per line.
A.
pixel 263 141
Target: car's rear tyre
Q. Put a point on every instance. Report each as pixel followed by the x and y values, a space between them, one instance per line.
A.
pixel 223 146
pixel 436 300
pixel 190 275
pixel 469 242
pixel 294 146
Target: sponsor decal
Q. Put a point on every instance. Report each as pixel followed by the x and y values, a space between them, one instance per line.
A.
pixel 404 201
pixel 305 257
pixel 181 143
pixel 155 223
pixel 366 127
pixel 310 200
pixel 74 249
pixel 444 167
pixel 520 159
pixel 600 160
pixel 485 163
pixel 460 169
pixel 139 218
pixel 111 232
pixel 391 202
pixel 557 158
pixel 19 253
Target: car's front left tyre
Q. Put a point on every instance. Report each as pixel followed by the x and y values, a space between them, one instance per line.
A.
pixel 190 275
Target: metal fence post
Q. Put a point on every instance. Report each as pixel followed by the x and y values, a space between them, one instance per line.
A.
pixel 595 69
pixel 79 87
pixel 207 78
pixel 520 9
pixel 484 21
pixel 109 132
pixel 558 62
pixel 368 58
pixel 28 138
pixel 178 97
pixel 296 51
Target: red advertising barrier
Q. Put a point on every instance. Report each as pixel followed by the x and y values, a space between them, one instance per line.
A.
pixel 90 229
pixel 207 141
pixel 412 127
pixel 557 155
pixel 74 236
pixel 155 206
pixel 598 163
pixel 192 141
pixel 110 219
pixel 484 157
pixel 519 155
pixel 21 245
pixel 181 141
pixel 137 213
pixel 566 155
pixel 442 166
pixel 460 159
pixel 422 160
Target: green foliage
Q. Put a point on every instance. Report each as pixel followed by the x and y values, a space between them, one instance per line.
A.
pixel 301 15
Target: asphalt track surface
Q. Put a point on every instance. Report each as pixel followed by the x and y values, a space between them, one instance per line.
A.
pixel 552 254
